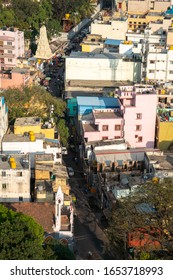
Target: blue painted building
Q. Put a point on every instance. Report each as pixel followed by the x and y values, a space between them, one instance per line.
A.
pixel 86 104
pixel 72 107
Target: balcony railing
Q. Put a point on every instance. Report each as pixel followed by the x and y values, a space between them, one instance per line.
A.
pixel 8 55
pixel 6 47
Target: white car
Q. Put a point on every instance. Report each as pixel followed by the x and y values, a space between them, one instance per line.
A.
pixel 70 171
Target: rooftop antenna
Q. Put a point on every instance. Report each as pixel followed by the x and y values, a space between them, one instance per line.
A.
pixel 113 7
pixel 51 113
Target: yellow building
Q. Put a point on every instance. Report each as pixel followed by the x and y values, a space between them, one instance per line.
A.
pixel 91 43
pixel 164 134
pixel 139 22
pixel 34 124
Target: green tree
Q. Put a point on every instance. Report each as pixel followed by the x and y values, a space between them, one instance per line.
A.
pixel 7 17
pixel 127 216
pixel 32 101
pixel 21 238
pixel 55 250
pixel 63 131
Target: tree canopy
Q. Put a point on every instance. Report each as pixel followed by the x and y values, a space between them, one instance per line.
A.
pixel 148 208
pixel 32 101
pixel 22 238
pixel 29 15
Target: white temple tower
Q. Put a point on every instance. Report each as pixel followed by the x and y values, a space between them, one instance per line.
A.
pixel 43 49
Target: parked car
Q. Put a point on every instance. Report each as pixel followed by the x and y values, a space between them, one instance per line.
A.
pixel 70 171
pixel 64 151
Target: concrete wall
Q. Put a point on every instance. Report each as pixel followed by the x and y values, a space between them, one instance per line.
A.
pixel 102 69
pixel 160 66
pixel 115 29
pixel 138 7
pixel 165 135
pixel 16 186
pixel 147 122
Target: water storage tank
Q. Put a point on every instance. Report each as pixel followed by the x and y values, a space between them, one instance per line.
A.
pixel 67 16
pixel 32 137
pixel 12 163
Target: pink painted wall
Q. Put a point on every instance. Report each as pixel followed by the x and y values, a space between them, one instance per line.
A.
pixel 145 104
pixel 17 80
pixel 111 133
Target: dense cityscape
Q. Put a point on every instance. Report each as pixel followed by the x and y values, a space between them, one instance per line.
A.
pixel 86 130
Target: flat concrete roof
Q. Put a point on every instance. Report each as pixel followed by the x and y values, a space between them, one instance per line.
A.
pixel 11 137
pixel 44 157
pixel 89 127
pixel 27 121
pixel 22 161
pixel 106 115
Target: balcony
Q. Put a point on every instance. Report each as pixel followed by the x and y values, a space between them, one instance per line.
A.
pixel 7 55
pixel 6 47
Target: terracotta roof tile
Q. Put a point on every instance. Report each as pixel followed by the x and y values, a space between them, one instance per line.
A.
pixel 43 213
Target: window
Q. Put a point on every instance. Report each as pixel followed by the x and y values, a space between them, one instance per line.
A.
pixel 138 127
pixel 105 127
pixel 9 51
pixel 10 60
pixel 4 186
pixel 19 174
pixel 151 71
pixel 117 127
pixel 3 173
pixel 9 43
pixel 170 72
pixel 104 138
pixel 20 198
pixel 139 116
pixel 152 61
pixel 140 139
pixel 116 137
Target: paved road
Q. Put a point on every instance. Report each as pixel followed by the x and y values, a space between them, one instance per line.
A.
pixel 87 233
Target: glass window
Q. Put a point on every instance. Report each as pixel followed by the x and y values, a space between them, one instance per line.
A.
pixel 138 127
pixel 117 127
pixel 105 127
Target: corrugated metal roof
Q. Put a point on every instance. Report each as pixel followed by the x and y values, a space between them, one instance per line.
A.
pixel 98 101
pixel 112 42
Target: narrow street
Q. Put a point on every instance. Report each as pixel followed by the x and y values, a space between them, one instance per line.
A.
pixel 89 237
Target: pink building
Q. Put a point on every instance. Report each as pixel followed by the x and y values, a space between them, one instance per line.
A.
pixel 134 122
pixel 139 111
pixel 11 47
pixel 16 78
pixel 104 124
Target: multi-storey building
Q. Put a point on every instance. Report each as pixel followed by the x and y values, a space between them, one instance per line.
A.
pixel 14 178
pixel 105 124
pixel 11 47
pixel 130 121
pixel 139 112
pixel 145 6
pixel 160 65
pixel 83 68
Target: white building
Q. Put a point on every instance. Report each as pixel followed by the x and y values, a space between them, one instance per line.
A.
pixel 3 118
pixel 107 67
pixel 160 65
pixel 14 178
pixel 113 29
pixel 23 145
pixel 11 46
